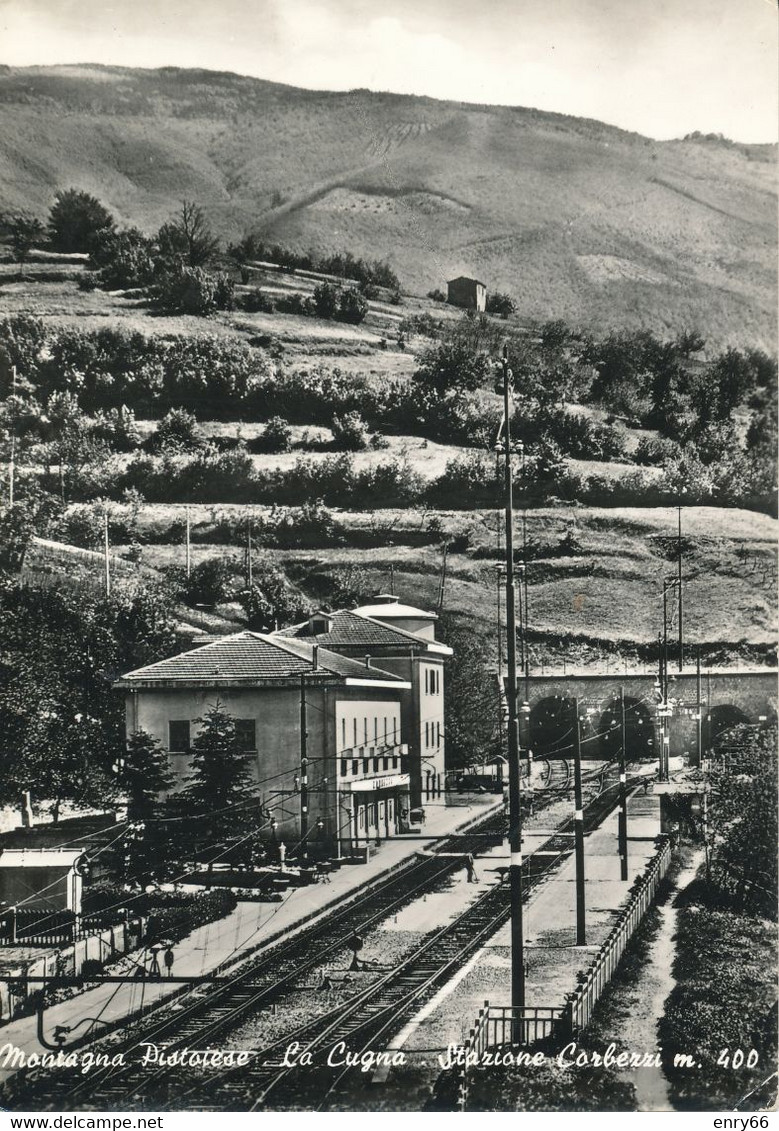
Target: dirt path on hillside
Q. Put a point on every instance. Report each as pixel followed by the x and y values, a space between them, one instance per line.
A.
pixel 638 1031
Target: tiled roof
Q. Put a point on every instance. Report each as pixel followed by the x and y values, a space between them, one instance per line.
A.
pixel 352 628
pixel 250 656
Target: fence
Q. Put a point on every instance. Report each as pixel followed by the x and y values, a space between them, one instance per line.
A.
pixel 534 1025
pixel 98 948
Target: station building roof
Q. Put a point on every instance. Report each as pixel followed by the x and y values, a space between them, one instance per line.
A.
pixel 248 658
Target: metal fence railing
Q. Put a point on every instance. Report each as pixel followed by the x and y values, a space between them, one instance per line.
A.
pixel 498 1025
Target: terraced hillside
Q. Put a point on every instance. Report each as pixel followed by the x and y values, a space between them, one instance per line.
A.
pixel 577 219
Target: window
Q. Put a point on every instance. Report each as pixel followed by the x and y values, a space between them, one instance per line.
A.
pixel 394 761
pixel 427 680
pixel 178 736
pixel 375 765
pixel 246 733
pixel 355 731
pixel 386 763
pixel 355 766
pixel 438 734
pixel 365 765
pixel 385 730
pixel 365 730
pixel 427 734
pixel 395 729
pixel 344 770
pixel 375 728
pixel 343 734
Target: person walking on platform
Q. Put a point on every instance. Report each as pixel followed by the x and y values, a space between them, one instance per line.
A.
pixel 470 869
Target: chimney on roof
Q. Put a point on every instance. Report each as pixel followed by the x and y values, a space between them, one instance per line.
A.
pixel 367 661
pixel 315 658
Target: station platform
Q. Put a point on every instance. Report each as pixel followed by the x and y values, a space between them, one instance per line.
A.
pixel 221 945
pixel 552 957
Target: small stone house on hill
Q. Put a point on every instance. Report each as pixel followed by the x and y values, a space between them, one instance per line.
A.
pixel 468 293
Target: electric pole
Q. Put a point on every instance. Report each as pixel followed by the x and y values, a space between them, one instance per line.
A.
pixel 189 544
pixel 679 582
pixel 303 769
pixel 515 810
pixel 106 555
pixel 699 709
pixel 578 824
pixel 623 802
pixel 12 456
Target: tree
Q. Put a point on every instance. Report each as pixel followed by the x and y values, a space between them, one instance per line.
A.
pixel 177 430
pixel 25 231
pixel 500 303
pixel 193 290
pixel 219 788
pixel 123 259
pixel 743 828
pixel 144 775
pixel 75 220
pixel 325 300
pixel 471 699
pixel 350 433
pixel 352 307
pixel 452 366
pixel 187 239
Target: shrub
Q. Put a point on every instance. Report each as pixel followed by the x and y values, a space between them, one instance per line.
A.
pixel 307 527
pixel 294 304
pixel 173 915
pixel 255 302
pixel 208 583
pixel 276 437
pixel 499 303
pixel 194 290
pixel 117 428
pixel 654 452
pixel 325 300
pixel 352 307
pixel 437 295
pixel 349 432
pixel 468 481
pixel 177 431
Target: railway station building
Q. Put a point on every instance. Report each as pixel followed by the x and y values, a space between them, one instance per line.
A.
pixel 398 638
pixel 357 755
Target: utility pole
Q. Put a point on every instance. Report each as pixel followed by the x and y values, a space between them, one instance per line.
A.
pixel 679 582
pixel 699 709
pixel 515 810
pixel 442 586
pixel 12 456
pixel 303 769
pixel 623 801
pixel 106 555
pixel 189 544
pixel 578 824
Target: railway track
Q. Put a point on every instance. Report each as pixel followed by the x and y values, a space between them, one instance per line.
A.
pixel 268 977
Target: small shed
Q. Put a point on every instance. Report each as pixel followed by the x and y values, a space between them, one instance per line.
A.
pixel 46 878
pixel 468 293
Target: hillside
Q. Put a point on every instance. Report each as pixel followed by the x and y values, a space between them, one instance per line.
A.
pixel 576 219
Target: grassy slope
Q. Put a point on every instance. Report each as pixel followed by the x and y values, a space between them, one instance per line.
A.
pixel 577 219
pixel 605 602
